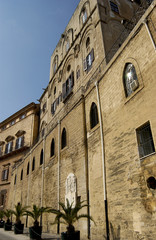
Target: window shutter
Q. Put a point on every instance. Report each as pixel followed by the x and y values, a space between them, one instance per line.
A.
pixel 92 55
pixel 17 140
pixel 22 141
pixel 84 64
pixel 64 90
pixel 6 148
pixel 11 144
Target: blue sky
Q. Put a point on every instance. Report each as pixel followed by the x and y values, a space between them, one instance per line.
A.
pixel 29 32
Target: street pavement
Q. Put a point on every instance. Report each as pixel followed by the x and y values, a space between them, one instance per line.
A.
pixel 9 235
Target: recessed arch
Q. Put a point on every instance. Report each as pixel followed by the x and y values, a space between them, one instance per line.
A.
pixel 94 120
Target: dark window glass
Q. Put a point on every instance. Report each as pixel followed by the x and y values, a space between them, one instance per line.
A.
pixel 41 157
pixel 93 116
pixel 130 79
pixel 114 7
pixel 28 169
pixel 145 140
pixel 87 42
pixel 63 139
pixel 52 152
pixel 5 174
pixel 22 175
pixel 33 164
pixel 15 179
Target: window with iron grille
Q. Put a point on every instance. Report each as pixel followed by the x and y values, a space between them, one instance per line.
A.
pixel 114 7
pixel 5 174
pixel 145 140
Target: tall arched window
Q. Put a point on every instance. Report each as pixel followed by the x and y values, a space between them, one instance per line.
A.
pixel 28 169
pixel 33 164
pixel 84 16
pixel 64 138
pixel 52 149
pixel 93 116
pixel 15 179
pixel 41 157
pixel 130 79
pixel 87 42
pixel 21 174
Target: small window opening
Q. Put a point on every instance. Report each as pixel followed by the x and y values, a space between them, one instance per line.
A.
pixel 52 152
pixel 28 169
pixel 54 90
pixel 41 157
pixel 87 42
pixel 22 175
pixel 151 182
pixel 68 68
pixel 93 116
pixel 33 164
pixel 64 140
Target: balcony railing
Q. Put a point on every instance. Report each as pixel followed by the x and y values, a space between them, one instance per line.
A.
pixel 14 149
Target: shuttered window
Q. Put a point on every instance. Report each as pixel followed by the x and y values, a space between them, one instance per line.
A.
pixel 19 142
pixel 68 86
pixel 87 63
pixel 8 147
pixel 145 140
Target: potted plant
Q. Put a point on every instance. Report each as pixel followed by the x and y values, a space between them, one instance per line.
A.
pixel 8 223
pixel 69 216
pixel 19 212
pixel 36 230
pixel 1 219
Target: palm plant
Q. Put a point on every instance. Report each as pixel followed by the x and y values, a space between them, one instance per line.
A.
pixel 69 215
pixel 36 213
pixel 19 212
pixel 8 214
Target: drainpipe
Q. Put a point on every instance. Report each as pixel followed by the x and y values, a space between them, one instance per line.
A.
pixel 149 33
pixel 58 173
pixel 42 183
pixel 86 161
pixel 103 161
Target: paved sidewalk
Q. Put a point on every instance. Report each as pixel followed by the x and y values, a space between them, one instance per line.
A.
pixel 11 236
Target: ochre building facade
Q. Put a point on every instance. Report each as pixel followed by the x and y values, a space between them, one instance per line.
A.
pixel 97 127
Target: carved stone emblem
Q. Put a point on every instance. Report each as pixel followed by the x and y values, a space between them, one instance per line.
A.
pixel 71 189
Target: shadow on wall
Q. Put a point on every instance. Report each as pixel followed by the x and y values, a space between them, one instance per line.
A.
pixel 115 232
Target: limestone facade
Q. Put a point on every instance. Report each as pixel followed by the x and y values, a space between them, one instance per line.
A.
pixel 17 134
pixel 97 125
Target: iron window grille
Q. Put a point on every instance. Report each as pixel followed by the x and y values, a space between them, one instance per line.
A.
pixel 145 140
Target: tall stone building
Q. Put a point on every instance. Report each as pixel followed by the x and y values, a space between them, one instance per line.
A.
pixel 97 124
pixel 17 134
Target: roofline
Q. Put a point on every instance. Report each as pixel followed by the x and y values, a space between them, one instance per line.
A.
pixel 18 113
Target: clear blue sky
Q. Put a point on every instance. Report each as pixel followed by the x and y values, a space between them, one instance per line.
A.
pixel 29 32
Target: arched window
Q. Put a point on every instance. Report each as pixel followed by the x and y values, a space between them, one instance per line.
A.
pixel 52 150
pixel 41 157
pixel 63 139
pixel 21 174
pixel 54 91
pixel 67 46
pixel 84 16
pixel 93 116
pixel 28 169
pixel 87 42
pixel 130 79
pixel 15 179
pixel 33 164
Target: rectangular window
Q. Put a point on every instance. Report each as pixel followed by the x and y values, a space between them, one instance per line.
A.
pixel 8 147
pixel 19 142
pixel 114 7
pixel 87 64
pixel 5 174
pixel 145 140
pixel 68 86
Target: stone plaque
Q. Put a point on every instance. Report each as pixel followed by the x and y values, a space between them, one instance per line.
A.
pixel 71 189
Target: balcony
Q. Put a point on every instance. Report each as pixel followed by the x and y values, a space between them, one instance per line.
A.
pixel 14 150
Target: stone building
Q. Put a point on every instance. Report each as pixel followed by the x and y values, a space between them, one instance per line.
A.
pixel 17 134
pixel 97 124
